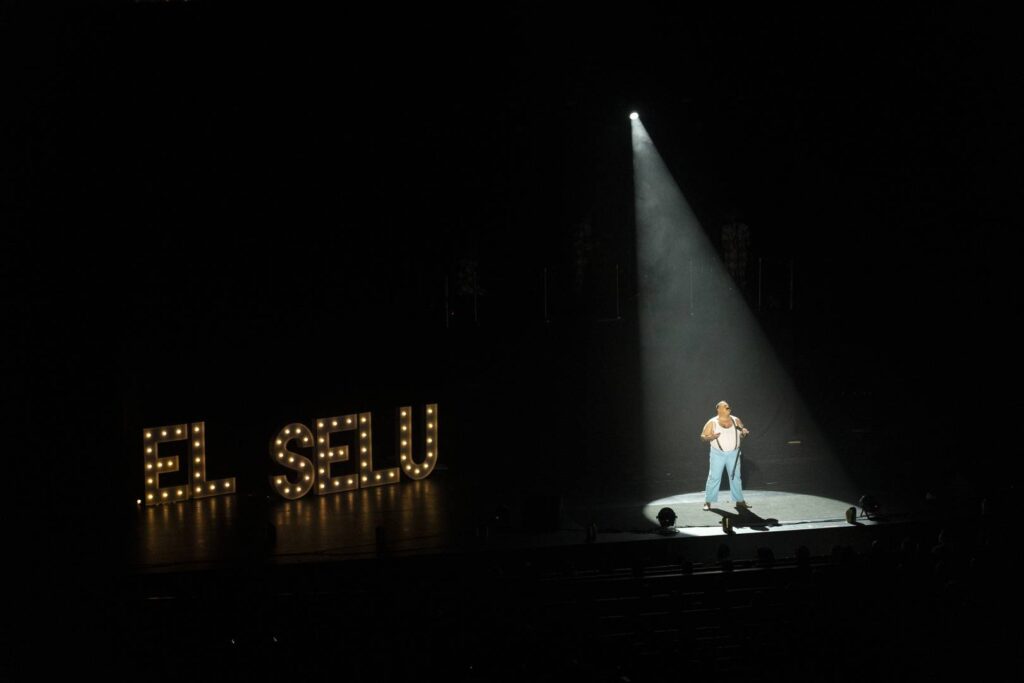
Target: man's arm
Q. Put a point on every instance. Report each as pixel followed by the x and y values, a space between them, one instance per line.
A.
pixel 709 434
pixel 739 424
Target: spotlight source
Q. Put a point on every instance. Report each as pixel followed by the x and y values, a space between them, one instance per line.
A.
pixel 633 116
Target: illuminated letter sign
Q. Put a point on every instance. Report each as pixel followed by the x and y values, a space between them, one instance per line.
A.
pixel 305 474
pixel 327 454
pixel 298 463
pixel 412 469
pixel 367 475
pixel 154 465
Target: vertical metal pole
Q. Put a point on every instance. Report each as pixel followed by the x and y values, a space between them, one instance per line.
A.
pixel 618 315
pixel 691 287
pixel 791 283
pixel 760 278
pixel 546 295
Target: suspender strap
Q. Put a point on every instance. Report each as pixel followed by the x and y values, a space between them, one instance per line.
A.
pixel 738 435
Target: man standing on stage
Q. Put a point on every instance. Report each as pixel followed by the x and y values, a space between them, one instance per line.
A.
pixel 724 432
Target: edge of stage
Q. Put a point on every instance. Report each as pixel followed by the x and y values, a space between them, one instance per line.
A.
pixel 439 517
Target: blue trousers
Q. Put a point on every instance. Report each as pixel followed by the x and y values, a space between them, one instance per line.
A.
pixel 724 460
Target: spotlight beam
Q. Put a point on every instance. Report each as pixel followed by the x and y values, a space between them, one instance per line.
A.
pixel 700 343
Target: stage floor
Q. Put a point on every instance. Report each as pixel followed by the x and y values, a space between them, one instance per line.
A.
pixel 441 515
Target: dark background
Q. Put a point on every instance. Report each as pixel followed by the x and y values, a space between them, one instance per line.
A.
pixel 248 216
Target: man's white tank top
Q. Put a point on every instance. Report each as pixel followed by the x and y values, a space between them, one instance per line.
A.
pixel 727 441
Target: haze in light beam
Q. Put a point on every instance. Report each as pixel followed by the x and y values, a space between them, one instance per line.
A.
pixel 700 343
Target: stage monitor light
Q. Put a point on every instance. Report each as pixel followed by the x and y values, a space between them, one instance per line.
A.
pixel 869 506
pixel 667 520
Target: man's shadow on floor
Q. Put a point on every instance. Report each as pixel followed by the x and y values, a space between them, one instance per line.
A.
pixel 745 518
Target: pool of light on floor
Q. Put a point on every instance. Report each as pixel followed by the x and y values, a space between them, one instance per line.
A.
pixel 789 510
